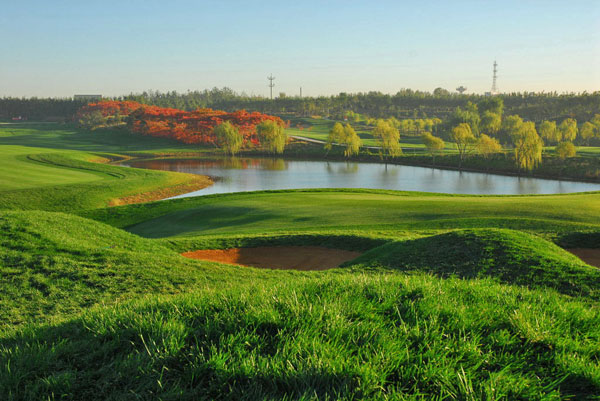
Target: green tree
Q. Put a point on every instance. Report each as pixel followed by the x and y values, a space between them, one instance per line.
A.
pixel 271 136
pixel 228 137
pixel 463 138
pixel 511 125
pixel 491 122
pixel 568 129
pixel 587 131
pixel 433 144
pixel 388 138
pixel 492 104
pixel 469 115
pixel 596 121
pixel 486 146
pixel 565 149
pixel 351 140
pixel 528 147
pixel 549 132
pixel 336 136
pixel 92 120
pixel 344 136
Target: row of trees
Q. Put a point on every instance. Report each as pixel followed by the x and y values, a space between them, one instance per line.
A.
pixel 230 131
pixel 404 104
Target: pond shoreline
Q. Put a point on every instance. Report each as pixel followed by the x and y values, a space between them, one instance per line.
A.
pixel 265 172
pixel 365 158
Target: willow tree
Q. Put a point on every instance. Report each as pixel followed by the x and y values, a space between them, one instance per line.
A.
pixel 528 147
pixel 336 134
pixel 351 141
pixel 568 129
pixel 549 132
pixel 271 136
pixel 388 138
pixel 433 144
pixel 565 149
pixel 344 136
pixel 228 137
pixel 464 139
pixel 587 131
pixel 491 122
pixel 487 146
pixel 511 126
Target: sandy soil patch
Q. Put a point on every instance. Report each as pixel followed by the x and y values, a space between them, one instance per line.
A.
pixel 278 257
pixel 588 255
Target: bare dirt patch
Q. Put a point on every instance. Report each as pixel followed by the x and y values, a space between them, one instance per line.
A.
pixel 278 257
pixel 588 255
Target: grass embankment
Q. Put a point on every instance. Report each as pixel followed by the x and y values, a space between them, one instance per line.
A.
pixel 90 311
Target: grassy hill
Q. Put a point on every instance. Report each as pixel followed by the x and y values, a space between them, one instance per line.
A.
pixel 509 256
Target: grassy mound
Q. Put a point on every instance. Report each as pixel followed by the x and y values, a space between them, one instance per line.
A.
pixel 509 256
pixel 342 336
pixel 55 264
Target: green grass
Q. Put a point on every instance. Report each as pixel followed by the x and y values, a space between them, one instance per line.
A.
pixel 455 297
pixel 340 210
pixel 342 336
pixel 19 171
pixel 319 129
pixel 508 256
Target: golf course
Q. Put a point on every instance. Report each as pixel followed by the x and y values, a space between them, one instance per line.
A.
pixel 108 291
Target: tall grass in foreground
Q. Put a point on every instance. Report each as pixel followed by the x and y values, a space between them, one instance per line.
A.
pixel 343 336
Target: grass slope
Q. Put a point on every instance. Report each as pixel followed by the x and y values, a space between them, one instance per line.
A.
pixel 55 265
pixel 509 256
pixel 344 336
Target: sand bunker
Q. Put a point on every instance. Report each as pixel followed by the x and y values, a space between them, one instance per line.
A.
pixel 588 255
pixel 278 257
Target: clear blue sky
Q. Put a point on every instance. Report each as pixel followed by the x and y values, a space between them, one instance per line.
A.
pixel 59 48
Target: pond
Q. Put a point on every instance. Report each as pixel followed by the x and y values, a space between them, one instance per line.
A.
pixel 252 174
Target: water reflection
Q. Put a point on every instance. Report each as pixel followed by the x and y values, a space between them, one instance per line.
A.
pixel 251 174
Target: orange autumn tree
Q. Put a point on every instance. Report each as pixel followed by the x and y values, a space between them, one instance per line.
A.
pixel 192 127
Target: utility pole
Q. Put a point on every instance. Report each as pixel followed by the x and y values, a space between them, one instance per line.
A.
pixel 271 78
pixel 300 92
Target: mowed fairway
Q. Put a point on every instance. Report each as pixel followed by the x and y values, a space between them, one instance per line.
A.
pixel 289 211
pixel 48 167
pixel 17 171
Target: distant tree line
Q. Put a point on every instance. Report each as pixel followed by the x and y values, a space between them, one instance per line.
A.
pixel 404 104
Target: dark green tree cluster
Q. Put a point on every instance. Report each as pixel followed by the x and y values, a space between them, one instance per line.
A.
pixel 405 104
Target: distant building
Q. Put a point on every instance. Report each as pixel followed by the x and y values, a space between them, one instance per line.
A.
pixel 89 98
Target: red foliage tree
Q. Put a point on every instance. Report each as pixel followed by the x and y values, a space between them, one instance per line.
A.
pixel 191 127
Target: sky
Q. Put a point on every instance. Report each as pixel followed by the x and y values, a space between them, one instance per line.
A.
pixel 59 48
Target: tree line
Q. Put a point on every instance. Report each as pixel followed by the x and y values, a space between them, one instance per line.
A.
pixel 480 128
pixel 402 105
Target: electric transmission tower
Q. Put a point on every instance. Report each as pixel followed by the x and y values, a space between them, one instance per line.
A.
pixel 494 87
pixel 271 78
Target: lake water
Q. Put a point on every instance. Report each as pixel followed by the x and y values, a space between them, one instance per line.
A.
pixel 252 174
